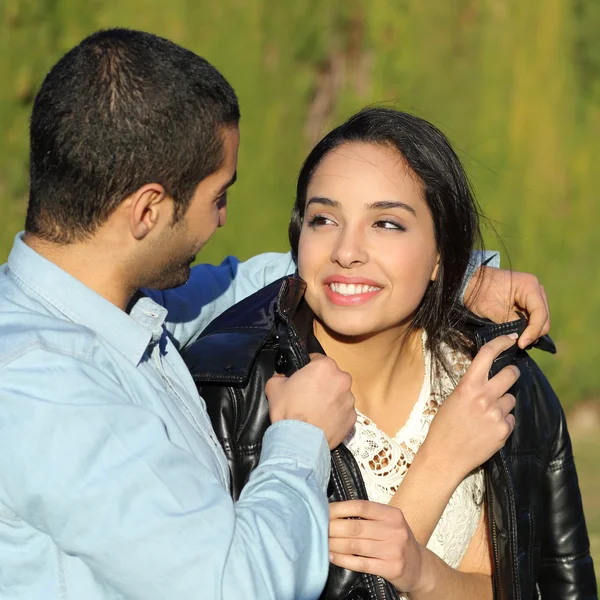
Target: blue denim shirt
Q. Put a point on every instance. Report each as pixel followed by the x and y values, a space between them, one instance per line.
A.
pixel 112 483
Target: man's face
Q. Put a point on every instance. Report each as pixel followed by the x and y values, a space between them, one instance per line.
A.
pixel 179 243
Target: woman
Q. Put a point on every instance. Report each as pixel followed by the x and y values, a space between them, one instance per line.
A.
pixel 382 229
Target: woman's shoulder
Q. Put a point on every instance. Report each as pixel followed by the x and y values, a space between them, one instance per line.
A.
pixel 226 350
pixel 534 383
pixel 540 422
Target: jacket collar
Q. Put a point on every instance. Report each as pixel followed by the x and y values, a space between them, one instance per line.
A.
pixel 228 347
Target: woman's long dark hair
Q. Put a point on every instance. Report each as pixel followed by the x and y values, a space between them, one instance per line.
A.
pixel 447 192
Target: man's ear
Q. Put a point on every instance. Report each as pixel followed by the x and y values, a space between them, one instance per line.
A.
pixel 147 207
pixel 434 273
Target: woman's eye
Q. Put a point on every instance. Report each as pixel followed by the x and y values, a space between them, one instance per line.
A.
pixel 319 220
pixel 386 224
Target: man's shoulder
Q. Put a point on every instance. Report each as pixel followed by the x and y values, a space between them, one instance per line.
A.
pixel 25 328
pixel 46 358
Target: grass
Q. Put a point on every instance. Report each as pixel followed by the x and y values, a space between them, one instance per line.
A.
pixel 586 447
pixel 517 89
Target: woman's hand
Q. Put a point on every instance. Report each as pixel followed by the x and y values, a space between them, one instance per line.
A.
pixel 374 538
pixel 475 420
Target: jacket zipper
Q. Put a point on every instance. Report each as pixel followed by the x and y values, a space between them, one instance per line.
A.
pixel 505 473
pixel 346 481
pixel 511 500
pixel 494 538
pixel 381 588
pixel 351 495
pixel 513 518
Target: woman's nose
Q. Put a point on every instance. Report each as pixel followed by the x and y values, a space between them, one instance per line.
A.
pixel 349 250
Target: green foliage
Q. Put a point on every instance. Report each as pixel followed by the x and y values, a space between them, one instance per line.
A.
pixel 515 85
pixel 586 449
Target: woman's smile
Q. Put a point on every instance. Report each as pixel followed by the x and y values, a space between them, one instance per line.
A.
pixel 350 291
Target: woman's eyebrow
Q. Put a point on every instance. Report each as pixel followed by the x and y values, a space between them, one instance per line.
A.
pixel 323 202
pixel 382 205
pixel 387 204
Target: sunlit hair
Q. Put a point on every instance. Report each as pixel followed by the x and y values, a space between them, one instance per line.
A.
pixel 446 190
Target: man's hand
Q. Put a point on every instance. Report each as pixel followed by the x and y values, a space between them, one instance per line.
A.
pixel 318 394
pixel 497 294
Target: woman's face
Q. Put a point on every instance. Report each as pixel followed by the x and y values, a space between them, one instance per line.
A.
pixel 367 248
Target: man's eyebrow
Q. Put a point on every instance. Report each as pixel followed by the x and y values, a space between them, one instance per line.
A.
pixel 228 184
pixel 323 202
pixel 387 204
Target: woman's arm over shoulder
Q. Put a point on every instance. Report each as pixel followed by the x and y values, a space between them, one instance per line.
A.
pixel 212 289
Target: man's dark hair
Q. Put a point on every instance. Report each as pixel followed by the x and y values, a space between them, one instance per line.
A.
pixel 120 110
pixel 446 191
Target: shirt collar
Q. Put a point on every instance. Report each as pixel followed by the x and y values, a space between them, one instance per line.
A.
pixel 129 332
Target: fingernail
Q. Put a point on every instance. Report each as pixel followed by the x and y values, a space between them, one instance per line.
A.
pixel 513 336
pixel 331 557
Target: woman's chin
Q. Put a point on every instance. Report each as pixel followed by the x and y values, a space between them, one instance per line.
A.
pixel 349 329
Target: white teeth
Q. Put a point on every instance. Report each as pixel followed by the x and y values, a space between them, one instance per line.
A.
pixel 350 289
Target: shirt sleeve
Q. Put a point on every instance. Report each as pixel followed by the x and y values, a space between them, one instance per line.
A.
pixel 100 476
pixel 213 289
pixel 489 258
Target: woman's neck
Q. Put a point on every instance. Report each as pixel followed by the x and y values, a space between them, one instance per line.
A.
pixel 387 371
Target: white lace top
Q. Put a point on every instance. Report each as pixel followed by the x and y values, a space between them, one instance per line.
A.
pixel 384 461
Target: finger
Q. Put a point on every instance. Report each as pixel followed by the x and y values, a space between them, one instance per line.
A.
pixel 510 419
pixel 360 564
pixel 546 327
pixel 362 509
pixel 482 363
pixel 358 547
pixel 278 376
pixel 347 509
pixel 535 304
pixel 314 356
pixel 500 383
pixel 274 383
pixel 506 404
pixel 358 529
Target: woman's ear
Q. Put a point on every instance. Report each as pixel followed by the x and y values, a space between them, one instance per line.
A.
pixel 434 273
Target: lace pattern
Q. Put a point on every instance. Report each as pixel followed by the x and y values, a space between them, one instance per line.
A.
pixel 384 461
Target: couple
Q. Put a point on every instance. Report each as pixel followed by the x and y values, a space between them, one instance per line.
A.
pixel 113 481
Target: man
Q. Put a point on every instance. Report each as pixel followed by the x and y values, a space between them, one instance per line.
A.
pixel 112 484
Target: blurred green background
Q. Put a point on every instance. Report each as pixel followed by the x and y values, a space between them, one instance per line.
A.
pixel 515 85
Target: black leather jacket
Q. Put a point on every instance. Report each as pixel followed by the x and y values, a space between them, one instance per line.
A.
pixel 537 527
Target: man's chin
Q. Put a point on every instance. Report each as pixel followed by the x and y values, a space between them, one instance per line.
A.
pixel 175 278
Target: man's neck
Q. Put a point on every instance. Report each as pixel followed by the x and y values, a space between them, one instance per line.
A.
pixel 91 262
